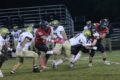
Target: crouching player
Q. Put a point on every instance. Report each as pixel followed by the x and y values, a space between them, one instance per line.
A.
pixel 24 41
pixel 91 42
pixel 80 43
pixel 79 39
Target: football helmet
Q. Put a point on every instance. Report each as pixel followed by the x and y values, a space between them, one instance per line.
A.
pixel 55 23
pixel 104 23
pixel 4 31
pixel 88 22
pixel 44 24
pixel 87 32
pixel 29 28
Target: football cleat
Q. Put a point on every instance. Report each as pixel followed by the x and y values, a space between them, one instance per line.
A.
pixel 72 64
pixel 36 69
pixel 106 62
pixel 90 65
pixel 12 72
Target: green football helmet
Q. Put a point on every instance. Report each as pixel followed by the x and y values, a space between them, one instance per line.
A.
pixel 87 32
pixel 4 31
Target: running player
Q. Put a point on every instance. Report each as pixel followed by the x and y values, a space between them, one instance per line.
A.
pixel 102 29
pixel 24 42
pixel 41 35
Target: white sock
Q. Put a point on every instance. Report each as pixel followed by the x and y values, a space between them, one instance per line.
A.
pixel 1 74
pixel 77 57
pixel 72 58
pixel 59 62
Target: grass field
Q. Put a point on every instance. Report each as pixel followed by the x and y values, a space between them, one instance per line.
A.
pixel 98 71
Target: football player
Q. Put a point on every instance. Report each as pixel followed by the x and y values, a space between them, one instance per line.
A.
pixel 102 29
pixel 22 50
pixel 59 37
pixel 4 45
pixel 41 35
pixel 79 43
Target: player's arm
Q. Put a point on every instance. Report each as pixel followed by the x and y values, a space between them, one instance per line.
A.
pixel 26 39
pixel 40 34
pixel 96 36
pixel 84 43
pixel 94 42
pixel 64 35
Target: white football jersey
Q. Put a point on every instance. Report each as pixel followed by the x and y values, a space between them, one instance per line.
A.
pixel 16 34
pixel 21 39
pixel 24 35
pixel 78 39
pixel 87 27
pixel 58 31
pixel 2 41
pixel 96 35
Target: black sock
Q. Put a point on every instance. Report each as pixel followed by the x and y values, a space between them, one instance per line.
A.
pixel 47 57
pixel 1 63
pixel 104 59
pixel 90 61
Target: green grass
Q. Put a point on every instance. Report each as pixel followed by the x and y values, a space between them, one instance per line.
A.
pixel 81 71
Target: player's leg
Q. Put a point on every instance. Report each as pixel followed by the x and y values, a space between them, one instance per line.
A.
pixel 102 50
pixel 20 59
pixel 77 51
pixel 35 59
pixel 50 51
pixel 42 61
pixel 67 50
pixel 91 55
pixel 1 74
pixel 44 56
pixel 17 65
pixel 56 53
pixel 74 55
pixel 2 60
pixel 75 58
pixel 3 56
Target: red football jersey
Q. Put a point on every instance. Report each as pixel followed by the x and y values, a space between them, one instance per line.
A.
pixel 100 31
pixel 40 32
